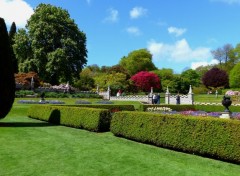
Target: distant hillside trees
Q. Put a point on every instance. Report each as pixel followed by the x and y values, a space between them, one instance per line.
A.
pixel 7 82
pixel 52 45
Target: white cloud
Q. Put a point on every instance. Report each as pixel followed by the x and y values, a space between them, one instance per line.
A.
pixel 137 12
pixel 134 31
pixel 178 52
pixel 227 1
pixel 176 31
pixel 195 65
pixel 113 15
pixel 17 11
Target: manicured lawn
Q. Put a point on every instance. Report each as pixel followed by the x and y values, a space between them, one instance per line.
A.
pixel 31 147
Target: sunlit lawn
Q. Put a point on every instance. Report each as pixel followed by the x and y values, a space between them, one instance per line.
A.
pixel 32 147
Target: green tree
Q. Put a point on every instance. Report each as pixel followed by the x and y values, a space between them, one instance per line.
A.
pixel 166 76
pixel 11 34
pixel 136 61
pixel 7 81
pixel 234 57
pixel 23 51
pixel 201 70
pixel 222 53
pixel 192 77
pixel 85 83
pixel 234 77
pixel 56 46
pixel 115 80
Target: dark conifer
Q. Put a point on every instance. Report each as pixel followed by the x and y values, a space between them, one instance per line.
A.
pixel 12 33
pixel 7 81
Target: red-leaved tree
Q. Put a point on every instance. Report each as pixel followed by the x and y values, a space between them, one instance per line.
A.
pixel 145 80
pixel 215 78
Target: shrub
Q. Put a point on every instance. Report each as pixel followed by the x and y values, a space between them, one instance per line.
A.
pixel 23 93
pixel 45 113
pixel 217 138
pixel 86 118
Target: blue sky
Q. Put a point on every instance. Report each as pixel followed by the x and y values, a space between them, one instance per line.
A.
pixel 180 34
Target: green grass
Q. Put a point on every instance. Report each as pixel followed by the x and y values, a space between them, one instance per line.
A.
pixel 32 147
pixel 211 98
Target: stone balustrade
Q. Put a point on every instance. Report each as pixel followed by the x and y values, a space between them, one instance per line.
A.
pixel 169 99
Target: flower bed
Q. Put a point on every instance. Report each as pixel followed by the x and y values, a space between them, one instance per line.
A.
pixel 104 102
pixel 167 110
pixel 40 102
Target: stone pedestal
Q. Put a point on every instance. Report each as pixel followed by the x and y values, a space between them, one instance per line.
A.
pixel 225 115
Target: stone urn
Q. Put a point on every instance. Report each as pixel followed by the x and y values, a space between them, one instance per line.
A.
pixel 226 102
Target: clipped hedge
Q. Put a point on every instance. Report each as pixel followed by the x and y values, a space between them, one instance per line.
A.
pixel 45 113
pixel 111 107
pixel 85 118
pixel 215 138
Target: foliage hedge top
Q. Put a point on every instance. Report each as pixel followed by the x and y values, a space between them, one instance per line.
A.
pixel 86 118
pixel 217 138
pixel 111 107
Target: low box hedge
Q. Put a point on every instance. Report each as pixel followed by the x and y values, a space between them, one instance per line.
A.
pixel 46 113
pixel 111 107
pixel 85 118
pixel 207 136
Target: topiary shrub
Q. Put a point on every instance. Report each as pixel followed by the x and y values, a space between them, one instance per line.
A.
pixel 7 82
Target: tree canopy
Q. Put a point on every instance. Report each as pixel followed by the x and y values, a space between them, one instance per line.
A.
pixel 52 45
pixel 234 77
pixel 191 77
pixel 136 61
pixel 144 80
pixel 215 78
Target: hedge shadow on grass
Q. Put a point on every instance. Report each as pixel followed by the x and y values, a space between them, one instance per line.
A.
pixel 26 124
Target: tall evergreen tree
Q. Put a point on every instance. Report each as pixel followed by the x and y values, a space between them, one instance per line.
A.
pixel 12 33
pixel 7 81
